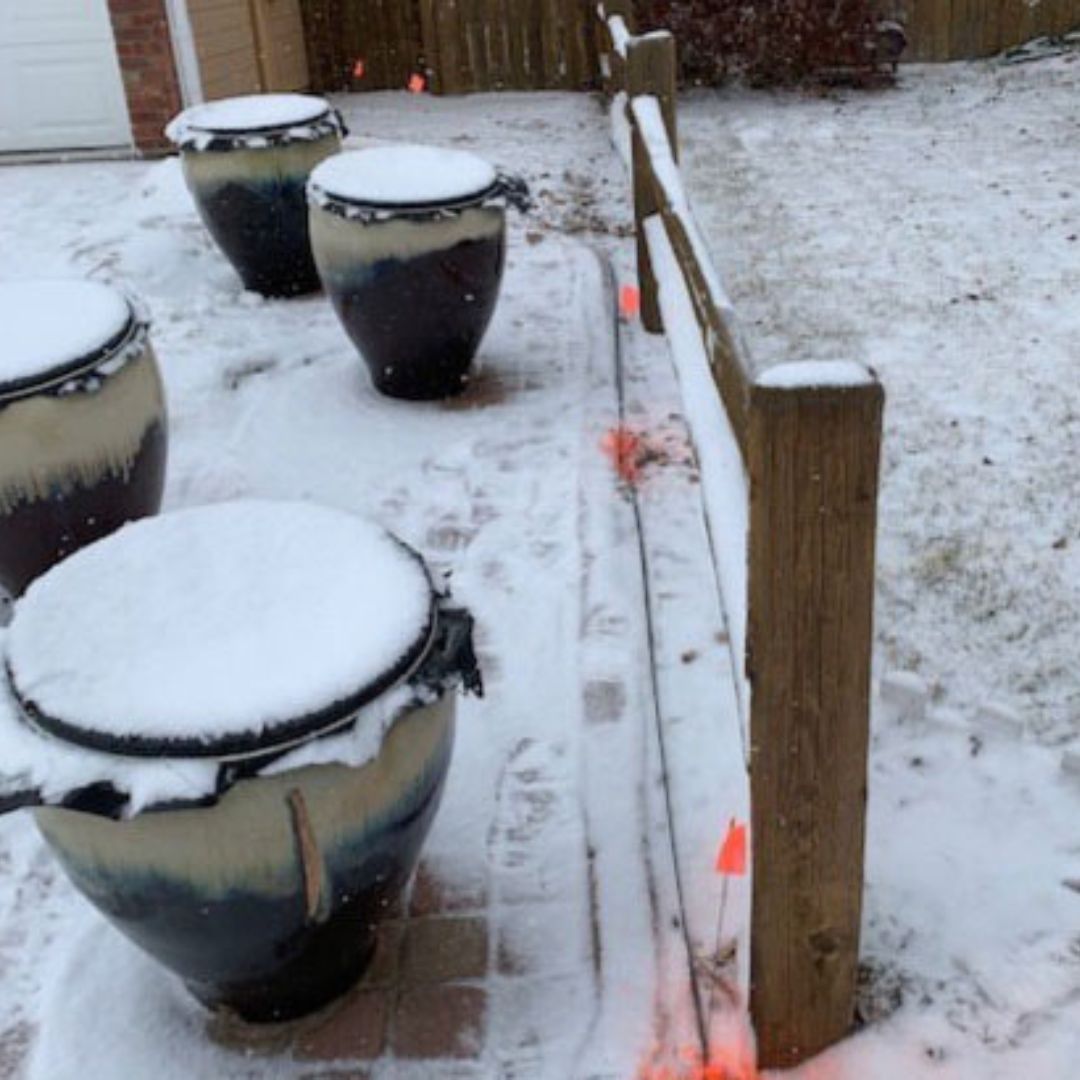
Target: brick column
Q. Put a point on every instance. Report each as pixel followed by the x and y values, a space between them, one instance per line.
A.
pixel 146 56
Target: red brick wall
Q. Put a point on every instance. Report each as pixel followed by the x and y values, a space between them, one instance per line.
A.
pixel 149 68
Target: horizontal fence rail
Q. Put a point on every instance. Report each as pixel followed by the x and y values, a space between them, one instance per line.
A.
pixel 807 437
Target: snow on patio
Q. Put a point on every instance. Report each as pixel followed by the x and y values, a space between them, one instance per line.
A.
pixel 542 938
pixel 933 233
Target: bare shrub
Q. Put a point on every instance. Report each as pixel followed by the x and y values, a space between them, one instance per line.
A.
pixel 771 42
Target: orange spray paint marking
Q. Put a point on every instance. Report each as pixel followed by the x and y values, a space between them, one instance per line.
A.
pixel 417 84
pixel 623 447
pixel 359 69
pixel 724 1063
pixel 629 302
pixel 731 859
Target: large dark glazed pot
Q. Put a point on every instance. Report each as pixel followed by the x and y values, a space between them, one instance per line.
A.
pixel 235 724
pixel 82 421
pixel 410 242
pixel 246 161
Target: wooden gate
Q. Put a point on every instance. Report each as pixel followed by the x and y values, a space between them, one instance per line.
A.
pixel 460 46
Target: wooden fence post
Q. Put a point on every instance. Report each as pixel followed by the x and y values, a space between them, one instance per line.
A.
pixel 812 459
pixel 650 70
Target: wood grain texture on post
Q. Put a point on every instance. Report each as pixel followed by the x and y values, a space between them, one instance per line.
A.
pixel 813 456
pixel 650 70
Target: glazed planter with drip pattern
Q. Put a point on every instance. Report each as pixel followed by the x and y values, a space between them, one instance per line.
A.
pixel 233 724
pixel 246 161
pixel 82 421
pixel 410 243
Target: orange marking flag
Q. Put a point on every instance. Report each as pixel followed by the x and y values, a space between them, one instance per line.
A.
pixel 417 84
pixel 725 1063
pixel 629 302
pixel 731 859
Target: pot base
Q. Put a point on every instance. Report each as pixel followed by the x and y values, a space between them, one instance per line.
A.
pixel 275 288
pixel 423 382
pixel 325 974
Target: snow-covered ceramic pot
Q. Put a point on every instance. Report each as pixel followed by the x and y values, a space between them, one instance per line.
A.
pixel 82 421
pixel 235 724
pixel 246 161
pixel 410 243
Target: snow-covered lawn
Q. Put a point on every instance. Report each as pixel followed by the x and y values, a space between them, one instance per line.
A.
pixel 933 233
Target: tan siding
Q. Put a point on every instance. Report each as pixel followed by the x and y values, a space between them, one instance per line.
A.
pixel 248 46
pixel 280 32
pixel 225 43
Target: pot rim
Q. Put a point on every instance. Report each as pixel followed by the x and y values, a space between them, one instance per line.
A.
pixel 189 136
pixel 340 204
pixel 240 745
pixel 448 664
pixel 131 336
pixel 505 190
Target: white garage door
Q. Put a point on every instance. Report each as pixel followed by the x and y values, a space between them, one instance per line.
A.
pixel 60 85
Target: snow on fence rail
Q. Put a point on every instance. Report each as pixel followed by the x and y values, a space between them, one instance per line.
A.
pixel 790 470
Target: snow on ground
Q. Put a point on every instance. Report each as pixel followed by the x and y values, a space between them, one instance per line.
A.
pixel 948 190
pixel 506 490
pixel 933 232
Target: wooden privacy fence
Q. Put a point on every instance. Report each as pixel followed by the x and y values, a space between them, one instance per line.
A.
pixel 461 46
pixel 967 29
pixel 809 438
pixel 248 46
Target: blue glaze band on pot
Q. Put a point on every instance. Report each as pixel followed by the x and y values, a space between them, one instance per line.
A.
pixel 266 902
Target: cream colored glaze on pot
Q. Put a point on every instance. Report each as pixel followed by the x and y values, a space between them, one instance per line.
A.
pixel 205 170
pixel 341 244
pixel 248 840
pixel 55 442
